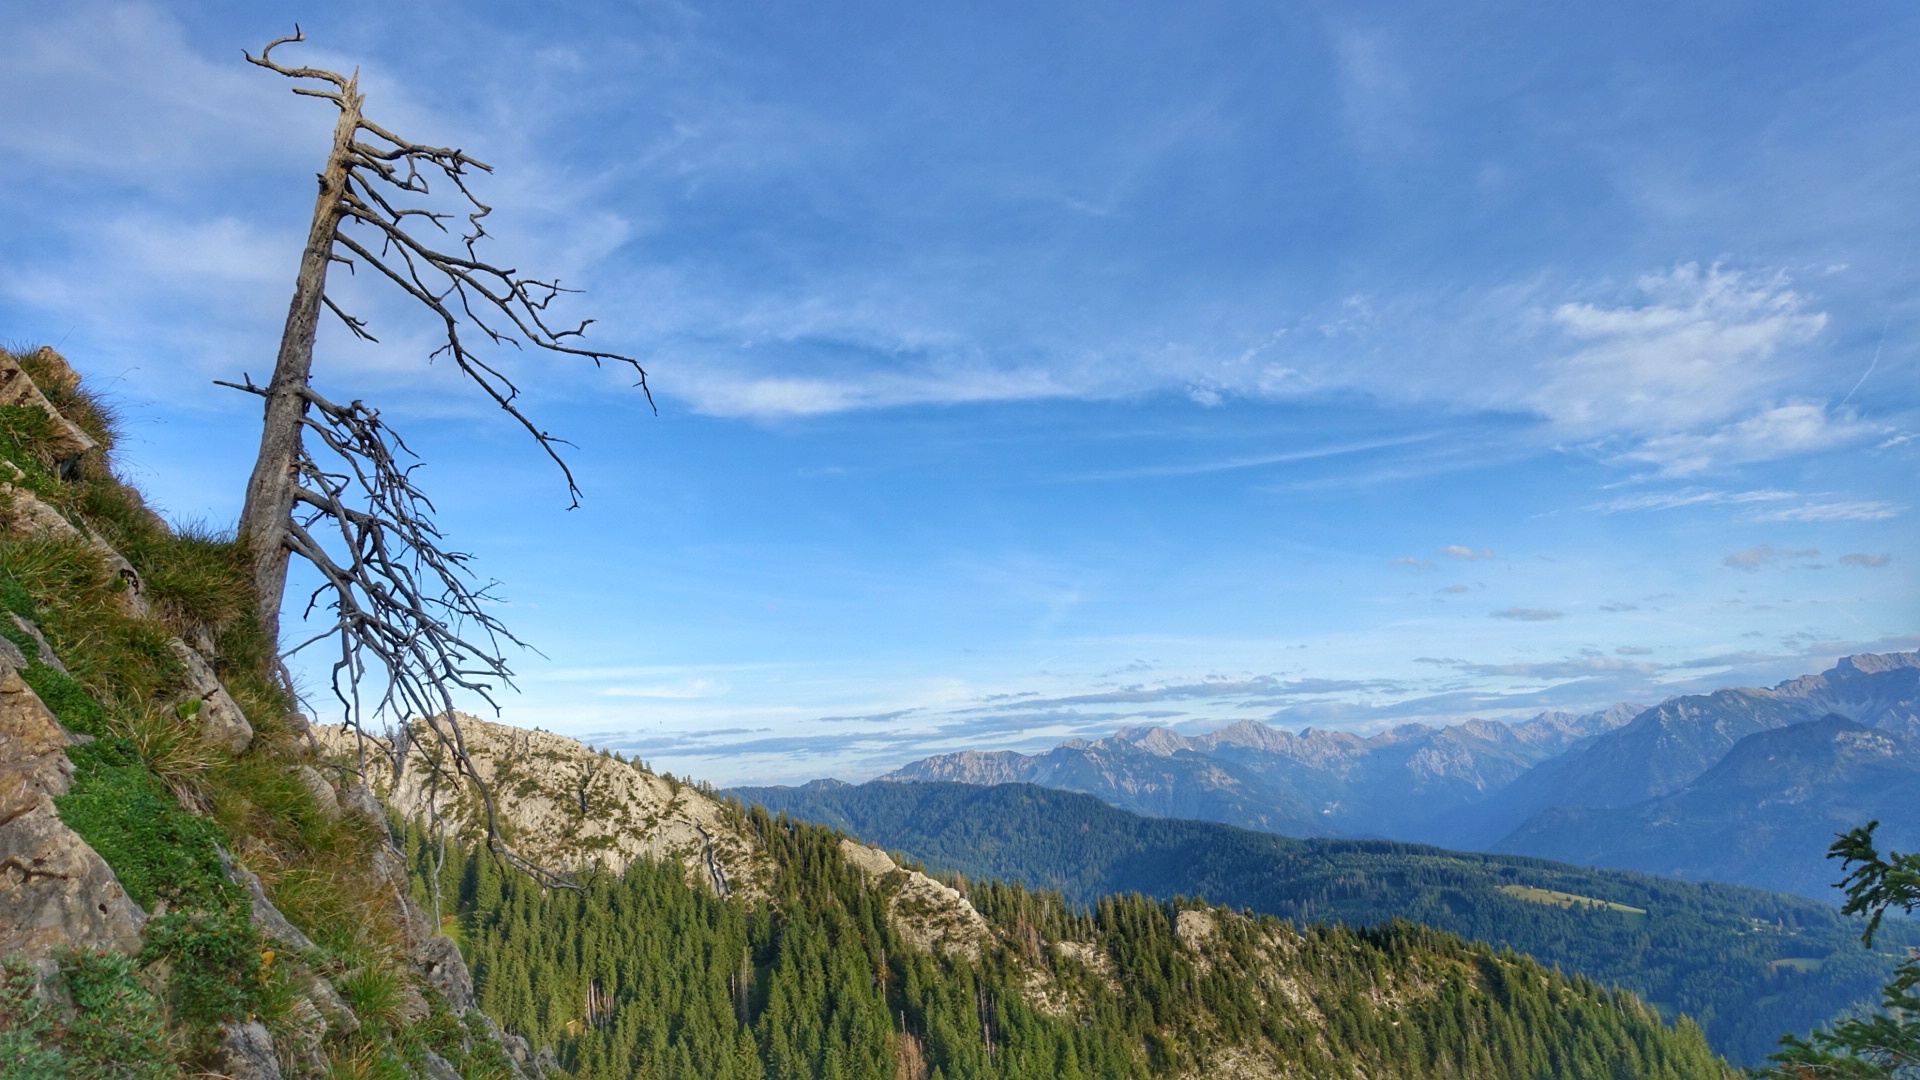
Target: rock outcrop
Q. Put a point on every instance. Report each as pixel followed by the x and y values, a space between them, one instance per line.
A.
pixel 219 717
pixel 68 442
pixel 24 513
pixel 930 914
pixel 566 806
pixel 56 892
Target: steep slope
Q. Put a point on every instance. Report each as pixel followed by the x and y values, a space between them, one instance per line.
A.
pixel 1748 965
pixel 1776 793
pixel 182 891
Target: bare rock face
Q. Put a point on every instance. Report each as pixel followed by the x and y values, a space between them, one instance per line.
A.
pixel 439 959
pixel 221 722
pixel 266 918
pixel 11 655
pixel 567 806
pixel 42 652
pixel 56 892
pixel 23 512
pixel 246 1053
pixel 933 916
pixel 323 794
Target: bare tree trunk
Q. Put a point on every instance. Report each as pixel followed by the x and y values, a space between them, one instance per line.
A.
pixel 270 491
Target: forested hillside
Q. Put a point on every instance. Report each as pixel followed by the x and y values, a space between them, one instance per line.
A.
pixel 639 974
pixel 1749 965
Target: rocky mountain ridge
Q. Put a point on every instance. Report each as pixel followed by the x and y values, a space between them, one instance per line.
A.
pixel 1402 782
pixel 573 809
pixel 1490 785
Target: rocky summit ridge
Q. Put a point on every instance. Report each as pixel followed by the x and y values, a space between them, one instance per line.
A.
pixel 573 809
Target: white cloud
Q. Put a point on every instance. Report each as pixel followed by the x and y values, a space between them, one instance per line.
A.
pixel 728 393
pixel 1865 561
pixel 116 89
pixel 689 689
pixel 1776 432
pixel 1701 347
pixel 1854 510
pixel 1461 551
pixel 1527 614
pixel 1674 500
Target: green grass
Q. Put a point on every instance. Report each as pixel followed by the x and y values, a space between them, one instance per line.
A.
pixel 1573 902
pixel 116 1027
pixel 1798 963
pixel 157 850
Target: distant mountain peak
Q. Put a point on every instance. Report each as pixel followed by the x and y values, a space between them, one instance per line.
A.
pixel 1875 663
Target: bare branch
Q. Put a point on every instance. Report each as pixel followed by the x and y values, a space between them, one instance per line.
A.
pixel 413 625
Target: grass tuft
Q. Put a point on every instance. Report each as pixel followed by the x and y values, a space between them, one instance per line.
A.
pixel 158 850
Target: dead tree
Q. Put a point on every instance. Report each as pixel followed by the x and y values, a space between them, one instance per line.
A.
pixel 334 484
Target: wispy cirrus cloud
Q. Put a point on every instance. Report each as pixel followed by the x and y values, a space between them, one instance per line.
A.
pixel 1839 510
pixel 1684 497
pixel 1774 432
pixel 1764 504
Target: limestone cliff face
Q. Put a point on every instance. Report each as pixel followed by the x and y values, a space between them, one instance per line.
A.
pixel 569 807
pixel 565 805
pixel 932 915
pixel 56 892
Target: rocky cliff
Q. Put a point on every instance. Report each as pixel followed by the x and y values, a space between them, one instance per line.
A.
pixel 182 890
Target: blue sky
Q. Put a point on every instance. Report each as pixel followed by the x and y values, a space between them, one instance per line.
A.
pixel 1026 371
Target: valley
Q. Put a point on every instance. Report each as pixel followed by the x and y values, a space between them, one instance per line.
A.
pixel 1703 950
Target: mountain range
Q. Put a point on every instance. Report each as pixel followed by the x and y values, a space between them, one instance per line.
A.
pixel 1745 785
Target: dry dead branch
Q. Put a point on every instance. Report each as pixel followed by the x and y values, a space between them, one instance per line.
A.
pixel 334 484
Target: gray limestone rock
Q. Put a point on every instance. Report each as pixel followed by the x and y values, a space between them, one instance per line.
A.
pixel 332 1007
pixel 21 511
pixel 359 801
pixel 323 794
pixel 246 1053
pixel 440 961
pixel 17 389
pixel 221 721
pixel 55 890
pixel 42 651
pixel 10 654
pixel 439 1069
pixel 266 917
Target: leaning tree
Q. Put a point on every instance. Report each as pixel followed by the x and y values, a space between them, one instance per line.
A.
pixel 334 485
